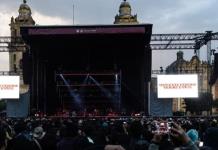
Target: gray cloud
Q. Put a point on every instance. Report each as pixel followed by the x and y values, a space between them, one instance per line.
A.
pixel 167 16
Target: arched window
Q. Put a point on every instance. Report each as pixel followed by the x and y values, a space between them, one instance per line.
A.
pixel 21 64
pixel 14 57
pixel 15 68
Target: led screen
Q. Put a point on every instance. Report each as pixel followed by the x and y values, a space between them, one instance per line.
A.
pixel 9 87
pixel 177 86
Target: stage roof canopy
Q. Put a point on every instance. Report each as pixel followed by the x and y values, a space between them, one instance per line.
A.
pixel 33 32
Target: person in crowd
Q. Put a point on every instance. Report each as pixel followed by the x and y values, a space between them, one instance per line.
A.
pixel 179 139
pixel 68 133
pixel 23 139
pixel 117 133
pixel 211 138
pixel 39 137
pixel 137 141
pixel 3 138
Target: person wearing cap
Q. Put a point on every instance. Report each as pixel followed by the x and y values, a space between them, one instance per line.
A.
pixel 38 133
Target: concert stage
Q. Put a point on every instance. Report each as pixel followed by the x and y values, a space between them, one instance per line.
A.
pixel 79 67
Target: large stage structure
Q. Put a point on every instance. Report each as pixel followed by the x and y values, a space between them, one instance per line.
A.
pixel 159 42
pixel 71 67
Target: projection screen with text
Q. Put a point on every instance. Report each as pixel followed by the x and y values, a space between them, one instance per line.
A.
pixel 9 87
pixel 177 86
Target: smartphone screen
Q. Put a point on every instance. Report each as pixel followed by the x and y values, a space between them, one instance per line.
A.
pixel 161 127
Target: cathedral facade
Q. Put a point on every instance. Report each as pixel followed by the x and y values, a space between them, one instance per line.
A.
pixel 194 66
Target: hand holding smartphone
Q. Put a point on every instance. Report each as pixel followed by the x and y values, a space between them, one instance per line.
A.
pixel 162 127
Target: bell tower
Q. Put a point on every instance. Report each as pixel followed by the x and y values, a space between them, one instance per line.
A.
pixel 24 18
pixel 125 16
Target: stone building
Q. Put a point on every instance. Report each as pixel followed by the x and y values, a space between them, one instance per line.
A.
pixel 194 66
pixel 19 108
pixel 214 84
pixel 15 58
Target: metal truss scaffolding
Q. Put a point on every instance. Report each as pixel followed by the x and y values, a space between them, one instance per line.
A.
pixel 10 44
pixel 193 41
pixel 88 89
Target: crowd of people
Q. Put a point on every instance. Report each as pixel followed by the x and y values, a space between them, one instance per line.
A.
pixel 108 133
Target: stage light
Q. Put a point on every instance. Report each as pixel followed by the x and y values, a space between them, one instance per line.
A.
pixel 106 92
pixel 74 95
pixel 116 77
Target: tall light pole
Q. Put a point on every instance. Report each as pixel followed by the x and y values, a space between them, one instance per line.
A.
pixel 73 12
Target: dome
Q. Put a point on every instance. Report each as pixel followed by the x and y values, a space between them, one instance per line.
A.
pixel 125 9
pixel 178 64
pixel 195 60
pixel 125 4
pixel 125 16
pixel 179 55
pixel 24 9
pixel 24 5
pixel 24 17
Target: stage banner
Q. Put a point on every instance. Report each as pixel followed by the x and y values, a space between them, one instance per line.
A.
pixel 9 87
pixel 177 86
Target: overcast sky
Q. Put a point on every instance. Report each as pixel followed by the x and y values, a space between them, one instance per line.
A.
pixel 167 16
